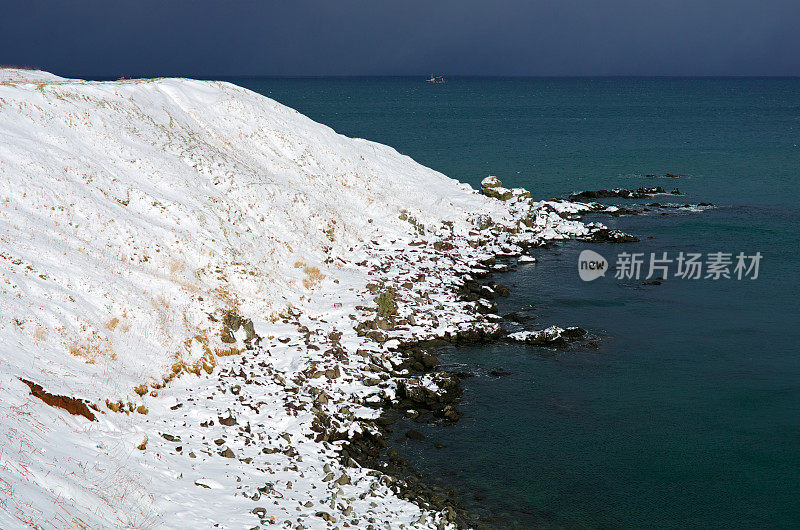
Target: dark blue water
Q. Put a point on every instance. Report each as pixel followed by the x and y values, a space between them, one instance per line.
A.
pixel 688 414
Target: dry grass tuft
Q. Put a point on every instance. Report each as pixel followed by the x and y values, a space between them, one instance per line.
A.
pixel 39 333
pixel 313 274
pixel 92 350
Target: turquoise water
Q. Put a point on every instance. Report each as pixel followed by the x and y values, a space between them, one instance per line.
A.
pixel 688 415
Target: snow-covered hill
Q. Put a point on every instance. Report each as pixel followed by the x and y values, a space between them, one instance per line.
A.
pixel 131 210
pixel 134 215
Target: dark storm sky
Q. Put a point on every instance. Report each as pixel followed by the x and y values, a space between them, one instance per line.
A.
pixel 349 37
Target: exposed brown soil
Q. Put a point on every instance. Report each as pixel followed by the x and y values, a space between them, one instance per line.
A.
pixel 72 405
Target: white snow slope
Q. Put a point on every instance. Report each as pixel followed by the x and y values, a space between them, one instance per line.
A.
pixel 132 215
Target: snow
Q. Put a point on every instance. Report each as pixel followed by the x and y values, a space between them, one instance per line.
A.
pixel 133 216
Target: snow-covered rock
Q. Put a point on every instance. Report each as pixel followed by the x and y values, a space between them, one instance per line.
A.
pixel 552 336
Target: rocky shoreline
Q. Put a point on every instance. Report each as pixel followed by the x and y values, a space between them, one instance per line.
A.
pixel 424 393
pixel 244 331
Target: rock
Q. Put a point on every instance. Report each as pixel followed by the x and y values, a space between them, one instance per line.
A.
pixel 229 421
pixel 516 316
pixel 326 516
pixel 227 337
pixel 492 187
pixel 428 361
pixel 612 236
pixel 384 324
pixel 552 336
pixel 485 307
pixel 415 435
pixel 249 329
pixel 451 413
pixel 443 245
pixel 260 512
pixel 387 417
pixel 377 336
pixel 343 480
pixel 500 372
pixel 500 289
pixel 227 453
pixel 328 477
pixel 665 175
pixel 488 293
pixel 573 333
pixel 616 193
pixel 491 182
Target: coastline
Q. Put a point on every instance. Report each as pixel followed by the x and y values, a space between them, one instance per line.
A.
pixel 253 425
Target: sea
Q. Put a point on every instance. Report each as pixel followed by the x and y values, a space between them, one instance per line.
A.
pixel 686 414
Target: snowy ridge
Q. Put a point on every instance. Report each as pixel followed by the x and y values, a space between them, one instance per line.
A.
pixel 134 215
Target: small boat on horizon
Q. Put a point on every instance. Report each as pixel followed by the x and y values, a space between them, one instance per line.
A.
pixel 437 79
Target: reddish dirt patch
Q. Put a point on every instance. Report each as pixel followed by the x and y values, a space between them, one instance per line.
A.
pixel 70 404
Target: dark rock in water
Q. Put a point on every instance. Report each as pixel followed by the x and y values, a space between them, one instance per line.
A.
pixel 415 435
pixel 664 175
pixel 388 417
pixel 486 307
pixel 488 293
pixel 593 345
pixel 676 191
pixel 500 289
pixel 619 211
pixel 612 236
pixel 500 372
pixel 473 286
pixel 573 333
pixel 449 412
pixel 616 193
pixel 552 336
pixel 427 360
pixel 656 281
pixel 517 316
pixel 676 206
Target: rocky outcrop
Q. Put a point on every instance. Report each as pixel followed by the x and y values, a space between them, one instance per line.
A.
pixel 492 187
pixel 617 193
pixel 552 336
